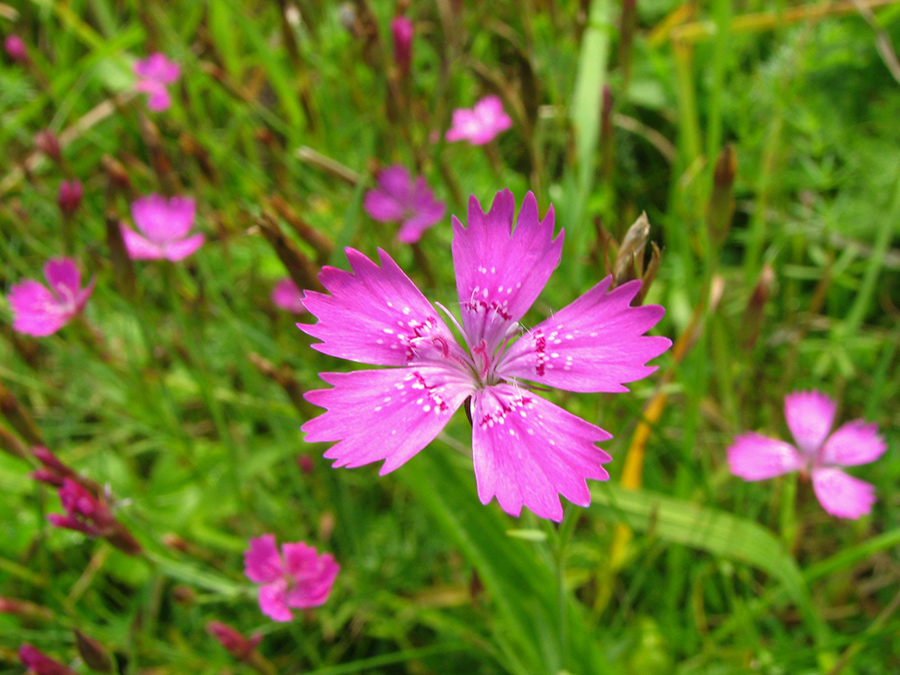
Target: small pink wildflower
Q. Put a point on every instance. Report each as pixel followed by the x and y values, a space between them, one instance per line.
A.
pixel 481 124
pixel 15 48
pixel 295 577
pixel 40 664
pixel 526 450
pixel 164 224
pixel 288 297
pixel 154 73
pixel 40 311
pixel 85 512
pixel 810 416
pixel 399 199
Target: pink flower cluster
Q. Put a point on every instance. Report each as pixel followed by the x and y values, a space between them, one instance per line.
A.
pixel 295 577
pixel 810 417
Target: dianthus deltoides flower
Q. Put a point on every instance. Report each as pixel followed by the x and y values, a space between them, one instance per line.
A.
pixel 164 225
pixel 527 451
pixel 399 198
pixel 41 311
pixel 297 576
pixel 154 75
pixel 810 416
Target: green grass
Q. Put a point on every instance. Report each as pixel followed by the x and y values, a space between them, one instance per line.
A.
pixel 199 445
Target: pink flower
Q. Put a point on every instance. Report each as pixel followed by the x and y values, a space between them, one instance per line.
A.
pixel 480 124
pixel 39 663
pixel 287 296
pixel 402 30
pixel 40 311
pixel 16 49
pixel 527 451
pixel 85 512
pixel 165 224
pixel 810 416
pixel 297 576
pixel 400 199
pixel 154 73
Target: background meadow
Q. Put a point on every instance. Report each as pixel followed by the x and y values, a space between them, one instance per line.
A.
pixel 759 136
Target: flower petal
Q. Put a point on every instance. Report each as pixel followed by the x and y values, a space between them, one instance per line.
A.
pixel 594 344
pixel 36 311
pixel 262 561
pixel 384 414
pixel 376 315
pixel 853 443
pixel 753 456
pixel 273 601
pixel 528 451
pixel 842 495
pixel 287 296
pixel 809 416
pixel 314 575
pixel 179 250
pixel 64 278
pixel 138 247
pixel 501 272
pixel 383 207
pixel 163 220
pixel 159 99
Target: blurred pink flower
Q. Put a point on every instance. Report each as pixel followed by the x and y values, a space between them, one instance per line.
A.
pixel 481 124
pixel 39 663
pixel 70 194
pixel 287 296
pixel 527 451
pixel 810 416
pixel 85 512
pixel 295 577
pixel 399 199
pixel 402 30
pixel 239 646
pixel 15 48
pixel 154 73
pixel 164 224
pixel 40 311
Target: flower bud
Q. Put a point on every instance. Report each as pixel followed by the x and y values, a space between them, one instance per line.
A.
pixel 70 193
pixel 239 646
pixel 402 30
pixel 93 653
pixel 16 49
pixel 48 143
pixel 40 664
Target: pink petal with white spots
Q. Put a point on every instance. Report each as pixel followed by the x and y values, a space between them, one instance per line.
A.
pixel 384 414
pixel 753 456
pixel 594 344
pixel 376 315
pixel 499 271
pixel 842 495
pixel 273 601
pixel 853 443
pixel 528 451
pixel 809 416
pixel 262 561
